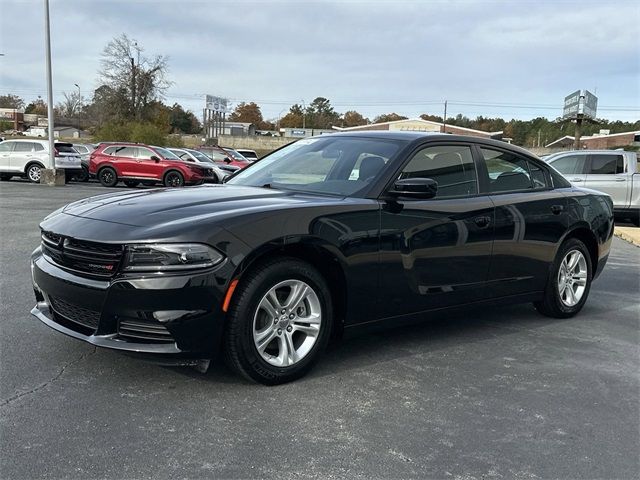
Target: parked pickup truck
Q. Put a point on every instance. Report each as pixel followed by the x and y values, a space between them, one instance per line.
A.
pixel 615 172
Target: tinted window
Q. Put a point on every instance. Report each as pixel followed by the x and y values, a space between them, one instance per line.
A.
pixel 121 151
pixel 65 148
pixel 507 172
pixel 537 175
pixel 166 153
pixel 321 164
pixel 39 147
pixel 570 164
pixel 23 147
pixel 81 149
pixel 451 166
pixel 6 146
pixel 606 164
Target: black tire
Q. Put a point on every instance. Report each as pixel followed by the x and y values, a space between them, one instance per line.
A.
pixel 33 172
pixel 83 176
pixel 108 177
pixel 240 351
pixel 131 183
pixel 552 305
pixel 173 179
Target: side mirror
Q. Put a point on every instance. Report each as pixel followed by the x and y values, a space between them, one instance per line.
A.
pixel 155 158
pixel 422 188
pixel 227 160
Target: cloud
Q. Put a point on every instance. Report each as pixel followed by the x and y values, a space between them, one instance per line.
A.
pixel 372 56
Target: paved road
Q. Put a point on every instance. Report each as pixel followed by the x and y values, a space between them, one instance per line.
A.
pixel 504 393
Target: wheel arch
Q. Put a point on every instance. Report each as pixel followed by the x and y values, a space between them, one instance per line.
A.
pixel 586 236
pixel 33 162
pixel 317 254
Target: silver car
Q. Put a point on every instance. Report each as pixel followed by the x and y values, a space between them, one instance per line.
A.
pixel 190 155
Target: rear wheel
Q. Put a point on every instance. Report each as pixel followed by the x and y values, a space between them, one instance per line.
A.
pixel 82 176
pixel 34 172
pixel 279 323
pixel 569 281
pixel 131 183
pixel 173 179
pixel 108 177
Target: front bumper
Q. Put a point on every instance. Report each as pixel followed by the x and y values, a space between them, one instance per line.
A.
pixel 173 315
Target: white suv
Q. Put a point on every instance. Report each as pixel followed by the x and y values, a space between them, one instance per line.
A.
pixel 26 158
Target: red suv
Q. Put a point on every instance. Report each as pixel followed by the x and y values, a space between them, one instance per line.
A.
pixel 134 163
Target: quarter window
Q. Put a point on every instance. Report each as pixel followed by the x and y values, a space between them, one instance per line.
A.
pixel 451 167
pixel 606 164
pixel 39 147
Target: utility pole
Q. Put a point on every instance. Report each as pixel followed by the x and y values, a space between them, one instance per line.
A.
pixel 304 112
pixel 578 132
pixel 47 177
pixel 78 107
pixel 444 118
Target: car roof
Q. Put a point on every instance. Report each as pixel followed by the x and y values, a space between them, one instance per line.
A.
pixel 411 137
pixel 577 152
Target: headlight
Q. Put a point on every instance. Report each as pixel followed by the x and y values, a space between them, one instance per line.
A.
pixel 170 257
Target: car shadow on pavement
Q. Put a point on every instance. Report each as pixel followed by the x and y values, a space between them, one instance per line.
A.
pixel 440 330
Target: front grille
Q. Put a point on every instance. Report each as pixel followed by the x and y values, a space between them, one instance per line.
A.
pixel 75 313
pixel 93 258
pixel 144 330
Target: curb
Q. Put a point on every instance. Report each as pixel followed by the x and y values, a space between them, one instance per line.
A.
pixel 631 235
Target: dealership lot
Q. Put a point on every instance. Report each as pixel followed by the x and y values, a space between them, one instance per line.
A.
pixel 501 393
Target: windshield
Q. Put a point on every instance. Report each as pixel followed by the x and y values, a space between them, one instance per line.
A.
pixel 200 156
pixel 166 153
pixel 334 165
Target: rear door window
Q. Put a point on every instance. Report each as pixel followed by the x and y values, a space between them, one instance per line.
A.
pixel 604 164
pixel 22 147
pixel 508 172
pixel 121 151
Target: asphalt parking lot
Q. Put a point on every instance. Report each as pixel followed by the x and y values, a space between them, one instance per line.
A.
pixel 502 393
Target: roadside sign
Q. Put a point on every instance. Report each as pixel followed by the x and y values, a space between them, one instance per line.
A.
pixel 590 104
pixel 571 105
pixel 217 104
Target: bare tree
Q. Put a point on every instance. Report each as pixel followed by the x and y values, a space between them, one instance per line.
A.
pixel 124 68
pixel 71 106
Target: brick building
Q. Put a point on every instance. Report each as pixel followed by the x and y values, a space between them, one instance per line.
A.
pixel 599 141
pixel 420 125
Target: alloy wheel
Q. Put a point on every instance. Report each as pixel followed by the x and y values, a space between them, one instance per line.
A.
pixel 572 278
pixel 287 322
pixel 34 173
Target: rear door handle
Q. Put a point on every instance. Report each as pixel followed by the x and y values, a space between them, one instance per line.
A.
pixel 576 179
pixel 621 179
pixel 482 222
pixel 557 209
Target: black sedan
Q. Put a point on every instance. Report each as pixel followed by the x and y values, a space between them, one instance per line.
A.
pixel 325 236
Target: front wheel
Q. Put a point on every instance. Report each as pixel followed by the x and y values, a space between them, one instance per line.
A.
pixel 279 322
pixel 569 281
pixel 173 179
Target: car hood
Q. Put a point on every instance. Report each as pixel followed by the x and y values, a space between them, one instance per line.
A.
pixel 156 207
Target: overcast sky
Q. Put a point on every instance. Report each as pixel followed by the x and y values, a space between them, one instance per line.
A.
pixel 514 59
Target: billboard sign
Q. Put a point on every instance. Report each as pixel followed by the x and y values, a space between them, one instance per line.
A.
pixel 217 104
pixel 571 105
pixel 590 104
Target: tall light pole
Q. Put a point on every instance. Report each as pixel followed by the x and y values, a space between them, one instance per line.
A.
pixel 304 112
pixel 78 107
pixel 47 31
